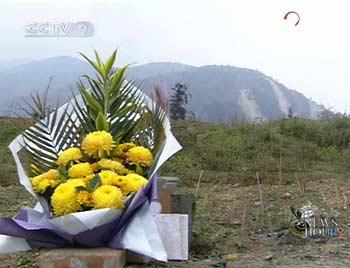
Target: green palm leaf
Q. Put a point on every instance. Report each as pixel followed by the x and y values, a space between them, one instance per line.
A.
pixel 111 103
pixel 53 132
pixel 150 131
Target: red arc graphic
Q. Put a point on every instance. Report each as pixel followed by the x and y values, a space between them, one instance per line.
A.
pixel 292 12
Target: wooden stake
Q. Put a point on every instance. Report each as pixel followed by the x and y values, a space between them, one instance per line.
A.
pixel 301 183
pixel 260 191
pixel 198 183
pixel 280 171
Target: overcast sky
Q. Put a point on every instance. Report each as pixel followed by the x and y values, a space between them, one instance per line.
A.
pixel 313 57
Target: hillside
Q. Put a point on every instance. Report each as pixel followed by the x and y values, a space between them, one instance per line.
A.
pixel 9 64
pixel 236 224
pixel 219 93
pixel 24 79
pixel 222 93
pixel 294 145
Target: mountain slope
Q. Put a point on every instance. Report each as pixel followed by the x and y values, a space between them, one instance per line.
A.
pixel 22 80
pixel 148 70
pixel 8 64
pixel 219 93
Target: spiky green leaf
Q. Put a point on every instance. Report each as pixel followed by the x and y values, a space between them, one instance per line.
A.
pixel 101 122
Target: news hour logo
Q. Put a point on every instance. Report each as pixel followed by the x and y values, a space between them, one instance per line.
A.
pixel 59 29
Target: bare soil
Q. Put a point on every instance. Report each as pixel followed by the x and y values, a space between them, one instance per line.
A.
pixel 238 226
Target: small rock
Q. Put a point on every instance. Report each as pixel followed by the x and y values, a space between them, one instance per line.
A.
pixel 286 195
pixel 253 237
pixel 269 207
pixel 220 264
pixel 307 258
pixel 236 185
pixel 204 217
pixel 280 234
pixel 268 258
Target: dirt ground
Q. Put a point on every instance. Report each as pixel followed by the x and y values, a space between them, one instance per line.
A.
pixel 237 225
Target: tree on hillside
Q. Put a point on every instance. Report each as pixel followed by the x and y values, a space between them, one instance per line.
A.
pixel 178 100
pixel 290 112
pixel 329 113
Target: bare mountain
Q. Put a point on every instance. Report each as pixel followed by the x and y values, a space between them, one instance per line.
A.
pixel 219 93
pixel 20 81
pixel 154 69
pixel 8 64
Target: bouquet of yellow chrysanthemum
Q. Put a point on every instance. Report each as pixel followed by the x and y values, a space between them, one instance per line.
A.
pixel 99 174
pixel 91 164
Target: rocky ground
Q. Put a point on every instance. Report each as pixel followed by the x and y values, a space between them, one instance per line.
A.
pixel 239 226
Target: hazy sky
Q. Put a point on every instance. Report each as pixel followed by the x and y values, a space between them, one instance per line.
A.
pixel 313 57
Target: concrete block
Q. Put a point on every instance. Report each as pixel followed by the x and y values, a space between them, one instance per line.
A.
pixel 184 204
pixel 81 258
pixel 170 183
pixel 173 229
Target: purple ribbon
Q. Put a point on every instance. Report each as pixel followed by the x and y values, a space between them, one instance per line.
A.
pixel 107 235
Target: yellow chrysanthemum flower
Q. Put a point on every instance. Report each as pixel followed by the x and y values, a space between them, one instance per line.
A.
pixel 118 181
pixel 44 184
pixel 140 155
pixel 41 186
pixel 71 154
pixel 122 149
pixel 52 174
pixel 77 182
pixel 113 165
pixel 132 184
pixel 80 170
pixel 84 198
pixel 108 196
pixel 107 177
pixel 88 178
pixel 95 167
pixel 64 199
pixel 97 143
pixel 48 179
